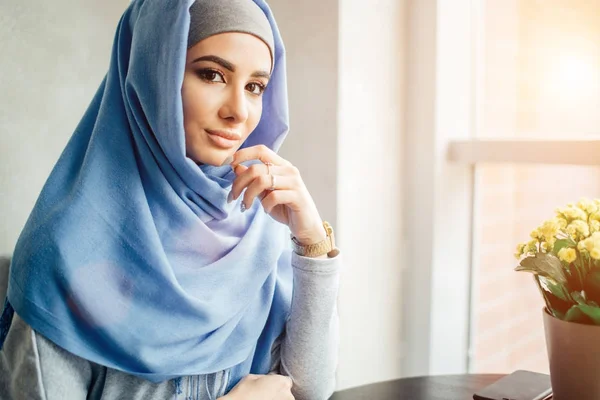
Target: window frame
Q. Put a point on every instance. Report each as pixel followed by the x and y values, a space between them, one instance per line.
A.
pixel 442 151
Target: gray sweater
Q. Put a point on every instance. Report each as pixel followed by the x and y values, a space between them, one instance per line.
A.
pixel 34 368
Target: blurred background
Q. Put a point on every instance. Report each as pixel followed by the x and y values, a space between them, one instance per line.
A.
pixel 434 135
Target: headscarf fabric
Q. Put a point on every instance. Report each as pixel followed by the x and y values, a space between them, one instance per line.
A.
pixel 132 258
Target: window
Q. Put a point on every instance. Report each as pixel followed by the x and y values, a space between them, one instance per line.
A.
pixel 538 90
pixel 503 128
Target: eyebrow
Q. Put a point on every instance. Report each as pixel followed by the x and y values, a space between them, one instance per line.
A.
pixel 227 65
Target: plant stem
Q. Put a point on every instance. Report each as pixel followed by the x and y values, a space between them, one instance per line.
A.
pixel 543 293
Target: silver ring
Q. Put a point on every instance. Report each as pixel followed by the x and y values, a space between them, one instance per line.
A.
pixel 269 165
pixel 273 180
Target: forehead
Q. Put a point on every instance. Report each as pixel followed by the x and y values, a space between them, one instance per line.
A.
pixel 244 50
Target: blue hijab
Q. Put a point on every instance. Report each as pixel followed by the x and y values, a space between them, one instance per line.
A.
pixel 132 258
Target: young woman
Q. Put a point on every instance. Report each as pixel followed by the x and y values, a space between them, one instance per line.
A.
pixel 172 254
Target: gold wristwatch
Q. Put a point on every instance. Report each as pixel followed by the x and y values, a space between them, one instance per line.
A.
pixel 326 246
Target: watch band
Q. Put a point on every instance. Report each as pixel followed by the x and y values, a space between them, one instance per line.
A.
pixel 326 246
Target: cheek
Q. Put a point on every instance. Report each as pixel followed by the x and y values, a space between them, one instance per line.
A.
pixel 196 102
pixel 254 116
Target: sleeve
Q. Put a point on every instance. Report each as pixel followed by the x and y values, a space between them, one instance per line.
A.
pixel 33 368
pixel 307 351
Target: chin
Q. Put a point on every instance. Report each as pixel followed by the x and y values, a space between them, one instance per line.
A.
pixel 214 158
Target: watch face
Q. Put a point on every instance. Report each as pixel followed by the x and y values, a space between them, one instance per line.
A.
pixel 333 253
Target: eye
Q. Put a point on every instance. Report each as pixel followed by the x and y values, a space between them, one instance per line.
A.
pixel 211 75
pixel 255 88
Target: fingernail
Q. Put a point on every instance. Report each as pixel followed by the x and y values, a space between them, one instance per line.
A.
pixel 230 197
pixel 227 161
pixel 242 207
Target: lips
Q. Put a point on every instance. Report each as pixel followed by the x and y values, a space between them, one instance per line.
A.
pixel 223 139
pixel 224 134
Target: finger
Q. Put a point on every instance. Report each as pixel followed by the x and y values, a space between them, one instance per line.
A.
pixel 260 152
pixel 245 176
pixel 263 185
pixel 252 377
pixel 284 382
pixel 269 383
pixel 289 383
pixel 239 169
pixel 279 197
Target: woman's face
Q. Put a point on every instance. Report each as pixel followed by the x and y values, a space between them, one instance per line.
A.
pixel 224 80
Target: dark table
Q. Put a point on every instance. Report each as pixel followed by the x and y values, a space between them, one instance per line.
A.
pixel 444 387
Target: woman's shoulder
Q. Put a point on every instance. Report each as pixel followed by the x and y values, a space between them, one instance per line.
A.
pixel 34 367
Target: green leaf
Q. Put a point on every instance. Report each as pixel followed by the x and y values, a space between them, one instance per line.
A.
pixel 576 275
pixel 557 289
pixel 584 314
pixel 546 265
pixel 576 315
pixel 558 305
pixel 562 243
pixel 578 297
pixel 549 299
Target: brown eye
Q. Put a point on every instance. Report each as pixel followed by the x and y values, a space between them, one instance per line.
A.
pixel 210 75
pixel 255 88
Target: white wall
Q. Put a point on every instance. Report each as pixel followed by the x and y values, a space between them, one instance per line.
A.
pixel 312 60
pixel 372 72
pixel 346 69
pixel 54 55
pixel 358 47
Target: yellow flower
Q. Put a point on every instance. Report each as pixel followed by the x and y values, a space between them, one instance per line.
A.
pixel 587 205
pixel 562 223
pixel 580 214
pixel 594 226
pixel 546 247
pixel 572 213
pixel 549 229
pixel 567 254
pixel 592 245
pixel 532 246
pixel 587 244
pixel 578 229
pixel 578 224
pixel 520 250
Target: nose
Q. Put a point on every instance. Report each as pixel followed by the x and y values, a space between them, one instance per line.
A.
pixel 235 106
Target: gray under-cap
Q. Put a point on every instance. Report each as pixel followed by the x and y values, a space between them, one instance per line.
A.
pixel 211 17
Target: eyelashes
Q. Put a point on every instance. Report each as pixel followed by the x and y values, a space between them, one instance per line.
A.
pixel 210 75
pixel 257 85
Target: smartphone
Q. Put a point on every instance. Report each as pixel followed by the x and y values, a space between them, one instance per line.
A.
pixel 520 385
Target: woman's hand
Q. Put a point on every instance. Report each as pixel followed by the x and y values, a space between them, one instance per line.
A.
pixel 262 387
pixel 288 201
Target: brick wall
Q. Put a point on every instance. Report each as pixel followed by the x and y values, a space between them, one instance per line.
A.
pixel 523 96
pixel 508 325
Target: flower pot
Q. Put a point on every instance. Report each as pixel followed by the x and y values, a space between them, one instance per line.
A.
pixel 574 355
